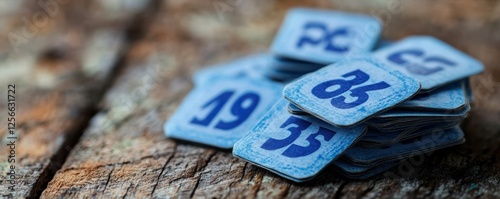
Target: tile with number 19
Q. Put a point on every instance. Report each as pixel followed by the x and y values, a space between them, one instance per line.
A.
pixel 221 111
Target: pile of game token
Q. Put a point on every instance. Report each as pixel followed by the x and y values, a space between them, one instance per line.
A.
pixel 325 95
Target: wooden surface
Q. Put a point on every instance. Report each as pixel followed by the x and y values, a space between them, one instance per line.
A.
pixel 98 124
pixel 60 70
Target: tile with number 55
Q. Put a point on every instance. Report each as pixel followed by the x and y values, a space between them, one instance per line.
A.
pixel 222 111
pixel 295 147
pixel 350 91
pixel 429 60
pixel 324 37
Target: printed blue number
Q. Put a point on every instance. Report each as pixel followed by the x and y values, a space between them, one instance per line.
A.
pixel 240 111
pixel 421 97
pixel 298 151
pixel 294 151
pixel 320 90
pixel 241 108
pixel 326 37
pixel 416 68
pixel 219 102
pixel 300 125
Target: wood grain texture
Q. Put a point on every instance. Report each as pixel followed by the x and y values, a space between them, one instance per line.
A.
pixel 60 67
pixel 123 152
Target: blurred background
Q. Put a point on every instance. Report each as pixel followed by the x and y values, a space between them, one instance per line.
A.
pixel 95 80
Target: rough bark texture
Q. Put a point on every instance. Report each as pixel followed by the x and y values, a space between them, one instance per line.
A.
pixel 123 151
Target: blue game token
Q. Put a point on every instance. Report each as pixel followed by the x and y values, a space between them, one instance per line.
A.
pixel 350 91
pixel 430 142
pixel 281 75
pixel 468 90
pixel 222 111
pixel 291 65
pixel 362 172
pixel 399 113
pixel 450 97
pixel 295 147
pixel 429 60
pixel 325 37
pixel 375 138
pixel 296 110
pixel 247 67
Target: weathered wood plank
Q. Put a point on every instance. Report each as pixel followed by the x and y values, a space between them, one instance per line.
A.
pixel 124 153
pixel 61 65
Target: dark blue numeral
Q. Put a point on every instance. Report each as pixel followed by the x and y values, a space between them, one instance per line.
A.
pixel 327 37
pixel 360 94
pixel 219 102
pixel 300 125
pixel 294 151
pixel 416 68
pixel 320 90
pixel 298 151
pixel 240 111
pixel 242 108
